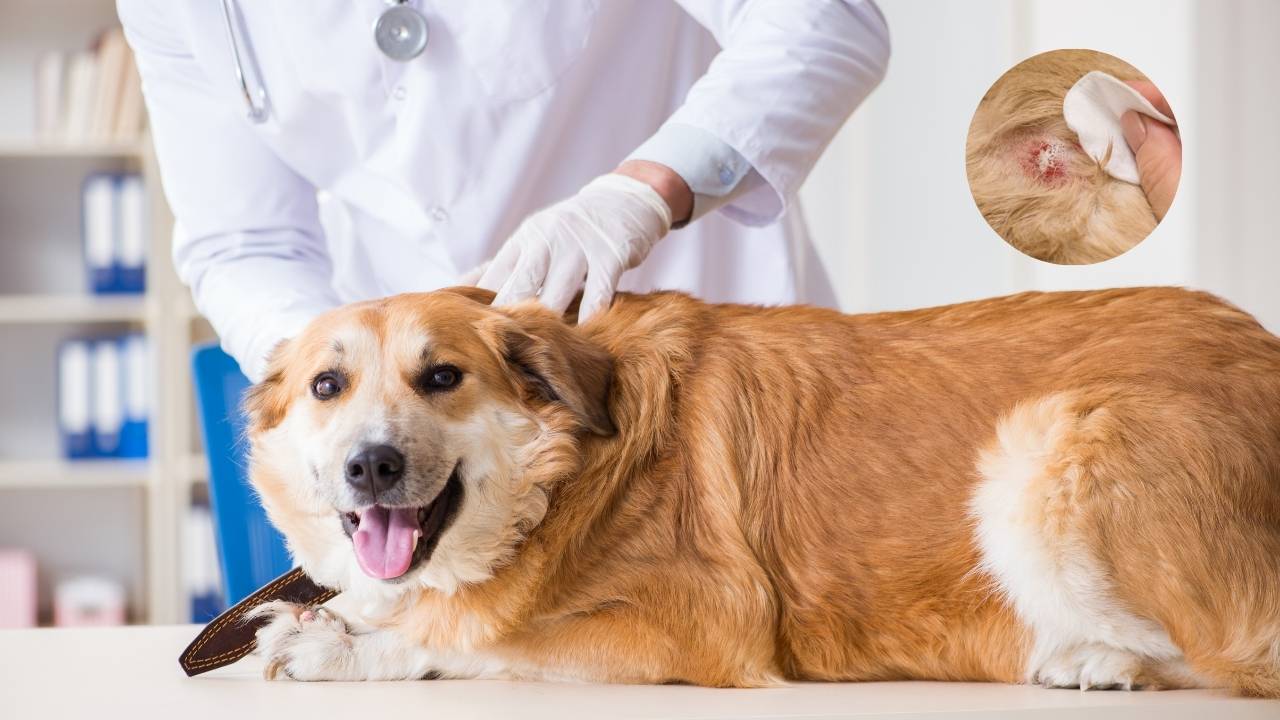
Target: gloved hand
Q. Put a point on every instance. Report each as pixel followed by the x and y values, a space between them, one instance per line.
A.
pixel 607 228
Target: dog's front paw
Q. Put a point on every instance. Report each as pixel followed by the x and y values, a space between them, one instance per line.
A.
pixel 1096 667
pixel 303 643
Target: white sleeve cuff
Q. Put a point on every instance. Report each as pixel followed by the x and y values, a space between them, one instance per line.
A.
pixel 716 173
pixel 256 348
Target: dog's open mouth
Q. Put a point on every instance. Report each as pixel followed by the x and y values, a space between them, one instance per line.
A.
pixel 391 541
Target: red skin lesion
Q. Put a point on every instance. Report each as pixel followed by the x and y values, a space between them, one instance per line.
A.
pixel 1044 159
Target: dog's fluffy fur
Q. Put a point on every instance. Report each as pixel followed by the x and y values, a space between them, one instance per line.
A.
pixel 1064 209
pixel 1071 489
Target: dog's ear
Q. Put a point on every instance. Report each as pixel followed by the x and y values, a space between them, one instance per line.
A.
pixel 266 402
pixel 558 364
pixel 480 295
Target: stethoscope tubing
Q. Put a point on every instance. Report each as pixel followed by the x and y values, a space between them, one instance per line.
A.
pixel 258 103
pixel 257 111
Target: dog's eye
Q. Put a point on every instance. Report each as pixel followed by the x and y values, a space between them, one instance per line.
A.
pixel 326 386
pixel 441 377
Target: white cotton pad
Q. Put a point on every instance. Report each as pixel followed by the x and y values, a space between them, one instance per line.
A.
pixel 1092 108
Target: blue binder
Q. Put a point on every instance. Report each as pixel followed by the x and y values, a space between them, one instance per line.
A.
pixel 108 397
pixel 134 361
pixel 250 550
pixel 131 249
pixel 114 227
pixel 75 402
pixel 100 231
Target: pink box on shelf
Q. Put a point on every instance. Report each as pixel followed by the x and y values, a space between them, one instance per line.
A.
pixel 18 578
pixel 85 601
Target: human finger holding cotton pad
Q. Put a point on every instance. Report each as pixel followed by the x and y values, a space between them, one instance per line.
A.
pixel 1156 147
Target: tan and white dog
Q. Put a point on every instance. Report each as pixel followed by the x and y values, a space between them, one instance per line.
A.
pixel 1071 489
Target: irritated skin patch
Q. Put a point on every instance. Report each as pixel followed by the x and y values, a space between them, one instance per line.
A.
pixel 1044 159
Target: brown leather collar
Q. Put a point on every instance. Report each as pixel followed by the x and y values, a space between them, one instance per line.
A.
pixel 230 636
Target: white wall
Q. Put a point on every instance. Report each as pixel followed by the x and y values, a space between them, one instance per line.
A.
pixel 889 204
pixel 1238 154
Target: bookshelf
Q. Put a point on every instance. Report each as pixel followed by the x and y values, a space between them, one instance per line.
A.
pixel 125 516
pixel 25 148
pixel 44 474
pixel 70 308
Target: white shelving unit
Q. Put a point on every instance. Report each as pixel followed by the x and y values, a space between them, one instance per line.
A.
pixel 55 308
pixel 33 474
pixel 22 148
pixel 120 518
pixel 166 315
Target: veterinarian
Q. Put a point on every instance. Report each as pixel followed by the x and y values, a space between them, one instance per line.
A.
pixel 354 150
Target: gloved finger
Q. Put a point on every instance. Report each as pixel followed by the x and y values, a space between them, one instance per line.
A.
pixel 472 276
pixel 564 279
pixel 528 274
pixel 500 267
pixel 597 294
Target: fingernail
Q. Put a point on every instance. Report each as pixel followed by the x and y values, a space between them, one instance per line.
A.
pixel 1135 130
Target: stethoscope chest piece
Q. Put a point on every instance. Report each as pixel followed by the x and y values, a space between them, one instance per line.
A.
pixel 401 32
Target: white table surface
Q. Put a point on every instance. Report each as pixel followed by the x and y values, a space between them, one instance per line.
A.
pixel 101 673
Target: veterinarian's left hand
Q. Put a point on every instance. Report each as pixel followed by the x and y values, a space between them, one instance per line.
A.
pixel 589 240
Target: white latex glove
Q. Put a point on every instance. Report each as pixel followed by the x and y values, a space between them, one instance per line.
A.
pixel 607 228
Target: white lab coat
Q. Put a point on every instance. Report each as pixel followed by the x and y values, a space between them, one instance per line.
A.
pixel 426 167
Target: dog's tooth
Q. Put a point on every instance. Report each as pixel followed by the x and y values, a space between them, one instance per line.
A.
pixel 417 535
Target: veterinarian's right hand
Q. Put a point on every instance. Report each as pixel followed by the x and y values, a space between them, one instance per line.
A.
pixel 1157 149
pixel 583 243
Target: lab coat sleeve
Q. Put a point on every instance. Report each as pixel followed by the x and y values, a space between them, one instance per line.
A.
pixel 248 240
pixel 789 73
pixel 714 171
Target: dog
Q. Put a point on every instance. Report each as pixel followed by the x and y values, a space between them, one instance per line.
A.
pixel 1030 178
pixel 1071 489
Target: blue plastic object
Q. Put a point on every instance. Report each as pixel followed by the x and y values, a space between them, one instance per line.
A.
pixel 133 433
pixel 251 551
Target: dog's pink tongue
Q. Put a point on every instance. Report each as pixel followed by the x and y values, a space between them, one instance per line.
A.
pixel 384 541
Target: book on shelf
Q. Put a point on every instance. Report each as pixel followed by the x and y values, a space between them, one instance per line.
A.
pixel 50 73
pixel 91 96
pixel 82 78
pixel 131 116
pixel 112 58
pixel 200 563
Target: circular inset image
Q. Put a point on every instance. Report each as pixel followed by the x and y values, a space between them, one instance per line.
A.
pixel 1073 156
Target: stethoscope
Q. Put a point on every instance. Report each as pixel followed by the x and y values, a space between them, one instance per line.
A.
pixel 400 33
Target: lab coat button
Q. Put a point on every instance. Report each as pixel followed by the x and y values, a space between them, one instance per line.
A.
pixel 439 214
pixel 726 175
pixel 400 93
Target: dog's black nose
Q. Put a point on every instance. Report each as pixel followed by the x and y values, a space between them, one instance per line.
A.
pixel 375 469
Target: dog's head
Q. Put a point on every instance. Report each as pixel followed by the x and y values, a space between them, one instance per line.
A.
pixel 410 442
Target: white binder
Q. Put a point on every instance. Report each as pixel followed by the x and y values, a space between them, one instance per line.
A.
pixel 74 401
pixel 108 397
pixel 132 246
pixel 137 396
pixel 98 215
